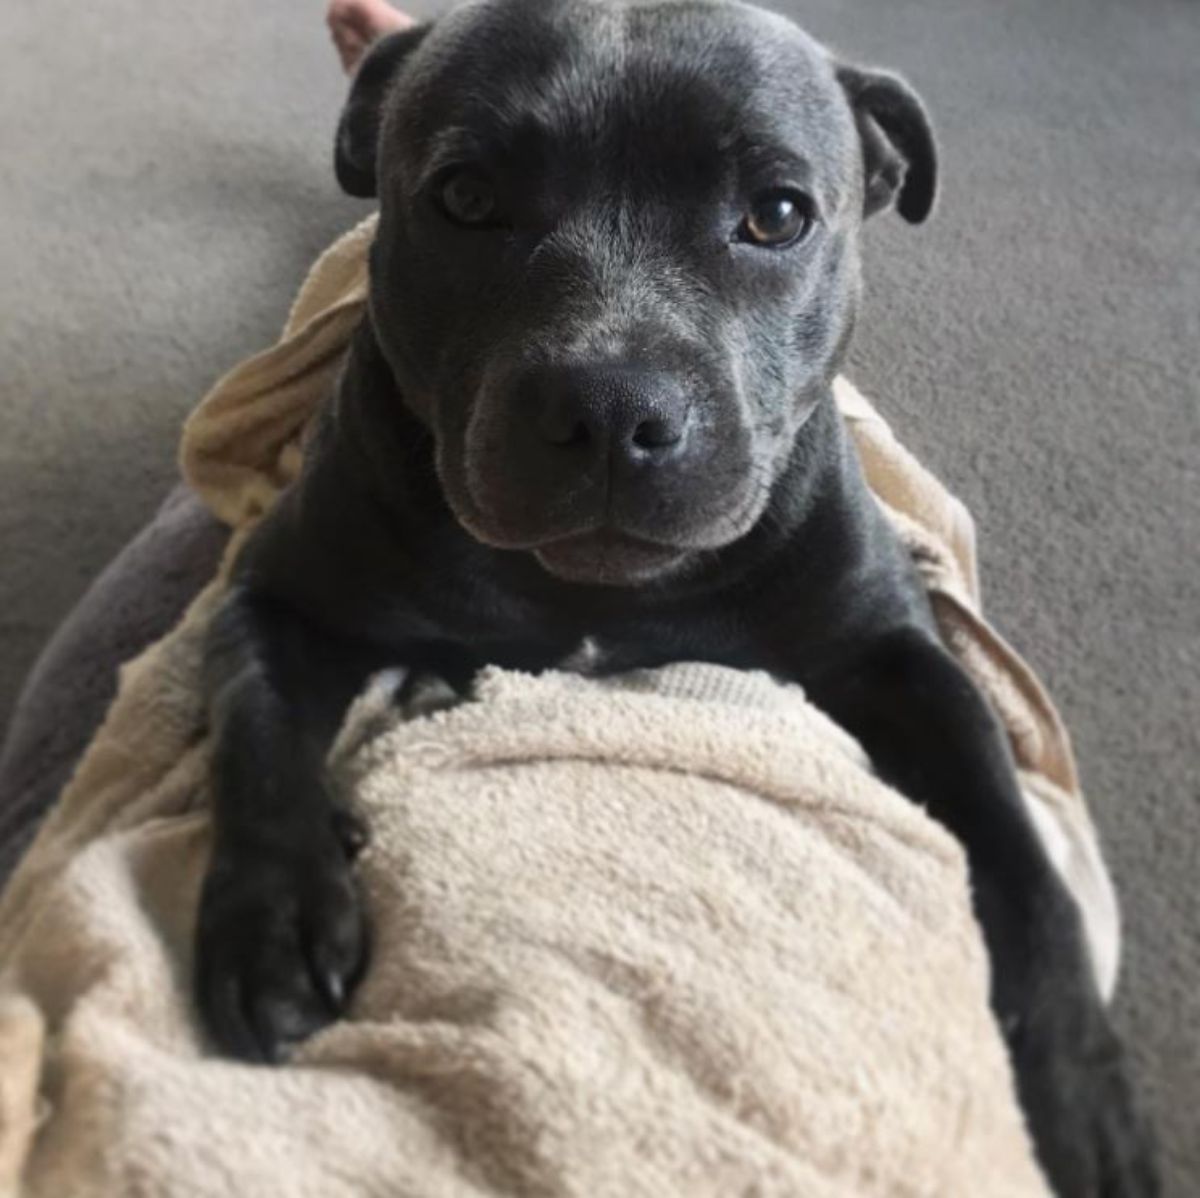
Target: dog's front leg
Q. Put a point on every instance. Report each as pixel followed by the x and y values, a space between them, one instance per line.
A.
pixel 930 733
pixel 280 939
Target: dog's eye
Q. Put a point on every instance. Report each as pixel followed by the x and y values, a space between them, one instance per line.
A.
pixel 468 198
pixel 778 218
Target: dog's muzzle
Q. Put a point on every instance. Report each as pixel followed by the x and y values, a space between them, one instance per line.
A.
pixel 610 471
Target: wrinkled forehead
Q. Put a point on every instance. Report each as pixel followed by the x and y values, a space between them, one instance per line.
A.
pixel 675 80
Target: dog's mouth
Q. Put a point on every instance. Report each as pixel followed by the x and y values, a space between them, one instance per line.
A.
pixel 608 557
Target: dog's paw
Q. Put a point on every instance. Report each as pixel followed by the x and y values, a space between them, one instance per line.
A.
pixel 1091 1137
pixel 280 943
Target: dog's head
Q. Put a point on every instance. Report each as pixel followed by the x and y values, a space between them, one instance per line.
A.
pixel 616 265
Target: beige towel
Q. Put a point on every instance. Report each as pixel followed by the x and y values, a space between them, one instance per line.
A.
pixel 663 934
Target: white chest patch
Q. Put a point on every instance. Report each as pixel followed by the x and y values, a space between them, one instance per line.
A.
pixel 587 658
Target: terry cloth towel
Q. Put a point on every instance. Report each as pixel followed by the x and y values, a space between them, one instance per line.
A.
pixel 654 935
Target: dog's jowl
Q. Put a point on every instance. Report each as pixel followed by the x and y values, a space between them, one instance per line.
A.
pixel 616 271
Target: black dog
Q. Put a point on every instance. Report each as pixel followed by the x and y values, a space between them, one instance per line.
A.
pixel 615 273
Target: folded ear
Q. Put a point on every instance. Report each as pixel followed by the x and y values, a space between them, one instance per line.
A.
pixel 356 146
pixel 899 153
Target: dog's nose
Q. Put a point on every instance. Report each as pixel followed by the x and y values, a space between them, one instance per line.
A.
pixel 622 412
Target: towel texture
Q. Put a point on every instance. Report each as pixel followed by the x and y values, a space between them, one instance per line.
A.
pixel 660 934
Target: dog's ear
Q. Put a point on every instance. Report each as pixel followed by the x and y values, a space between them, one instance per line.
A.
pixel 899 152
pixel 356 145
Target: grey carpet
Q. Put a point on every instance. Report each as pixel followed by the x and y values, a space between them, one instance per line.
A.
pixel 164 182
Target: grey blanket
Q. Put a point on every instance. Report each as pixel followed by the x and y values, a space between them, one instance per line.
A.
pixel 136 600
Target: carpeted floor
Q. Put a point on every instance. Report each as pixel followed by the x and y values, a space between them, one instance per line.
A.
pixel 165 181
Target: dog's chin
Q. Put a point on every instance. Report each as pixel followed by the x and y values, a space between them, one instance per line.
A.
pixel 605 557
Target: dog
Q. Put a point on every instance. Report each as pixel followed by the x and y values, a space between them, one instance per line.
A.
pixel 616 270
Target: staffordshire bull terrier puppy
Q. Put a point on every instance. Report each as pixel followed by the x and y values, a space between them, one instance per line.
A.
pixel 616 270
